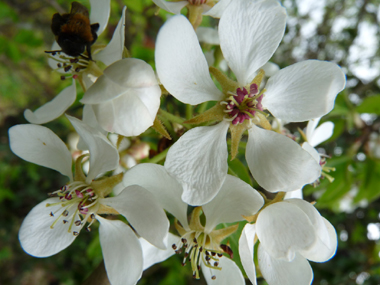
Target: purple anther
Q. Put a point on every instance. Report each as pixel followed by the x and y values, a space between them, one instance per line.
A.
pixel 79 194
pixel 90 192
pixel 253 89
pixel 259 105
pixel 68 196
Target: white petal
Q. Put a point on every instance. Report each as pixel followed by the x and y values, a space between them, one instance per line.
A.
pixel 172 7
pixel 250 32
pixel 311 126
pixel 282 272
pixel 119 78
pixel 153 255
pixel 246 251
pixel 290 230
pixel 208 35
pixel 326 242
pixel 39 145
pixel 304 90
pixel 103 155
pixel 199 162
pixel 130 114
pixel 322 251
pixel 100 13
pixel 218 9
pixel 312 151
pixel 234 199
pixel 128 96
pixel 122 252
pixel 294 194
pixel 54 108
pixel 143 212
pixel 36 236
pixel 88 117
pixel 230 273
pixel 53 63
pixel 165 188
pixel 114 50
pixel 322 133
pixel 278 163
pixel 181 65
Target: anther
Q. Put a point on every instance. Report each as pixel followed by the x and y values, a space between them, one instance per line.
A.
pixel 220 254
pixel 76 234
pixel 216 264
pixel 174 246
pixel 67 68
pixel 65 213
pixel 63 77
pixel 78 223
pixel 77 69
pixel 195 240
pixel 200 249
pixel 184 240
pixel 183 264
pixel 65 221
pixel 88 229
pixel 59 65
pixel 207 257
pixel 213 277
pixel 213 253
pixel 199 267
pixel 92 216
pixel 51 214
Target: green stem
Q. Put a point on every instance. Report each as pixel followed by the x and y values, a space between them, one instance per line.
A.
pixel 189 111
pixel 158 157
pixel 202 107
pixel 174 118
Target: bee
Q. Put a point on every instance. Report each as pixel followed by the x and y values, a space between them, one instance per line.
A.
pixel 73 31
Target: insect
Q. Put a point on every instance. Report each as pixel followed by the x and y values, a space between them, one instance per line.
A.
pixel 73 31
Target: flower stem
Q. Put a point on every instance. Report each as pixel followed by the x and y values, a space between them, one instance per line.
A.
pixel 158 157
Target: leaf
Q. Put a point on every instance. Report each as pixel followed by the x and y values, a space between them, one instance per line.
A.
pixel 240 170
pixel 370 105
pixel 370 187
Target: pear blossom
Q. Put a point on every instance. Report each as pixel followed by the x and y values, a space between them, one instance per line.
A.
pixel 201 243
pixel 290 232
pixel 84 70
pixel 196 8
pixel 297 93
pixel 53 224
pixel 315 136
pixel 126 98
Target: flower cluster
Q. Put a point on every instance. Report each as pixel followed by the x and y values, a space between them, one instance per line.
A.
pixel 123 99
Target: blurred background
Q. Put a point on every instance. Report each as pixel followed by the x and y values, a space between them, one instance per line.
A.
pixel 345 32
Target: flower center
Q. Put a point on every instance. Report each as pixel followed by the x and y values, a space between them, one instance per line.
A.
pixel 72 65
pixel 243 105
pixel 197 2
pixel 198 248
pixel 80 202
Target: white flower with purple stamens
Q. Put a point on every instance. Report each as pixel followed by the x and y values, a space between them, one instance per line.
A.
pixel 53 224
pixel 81 69
pixel 249 32
pixel 290 232
pixel 200 243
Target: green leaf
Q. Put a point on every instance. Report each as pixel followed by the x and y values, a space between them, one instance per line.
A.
pixel 370 187
pixel 370 105
pixel 240 170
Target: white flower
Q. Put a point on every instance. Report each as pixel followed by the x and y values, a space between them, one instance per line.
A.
pixel 125 98
pixel 314 136
pixel 290 233
pixel 213 8
pixel 53 224
pixel 297 93
pixel 85 71
pixel 201 243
